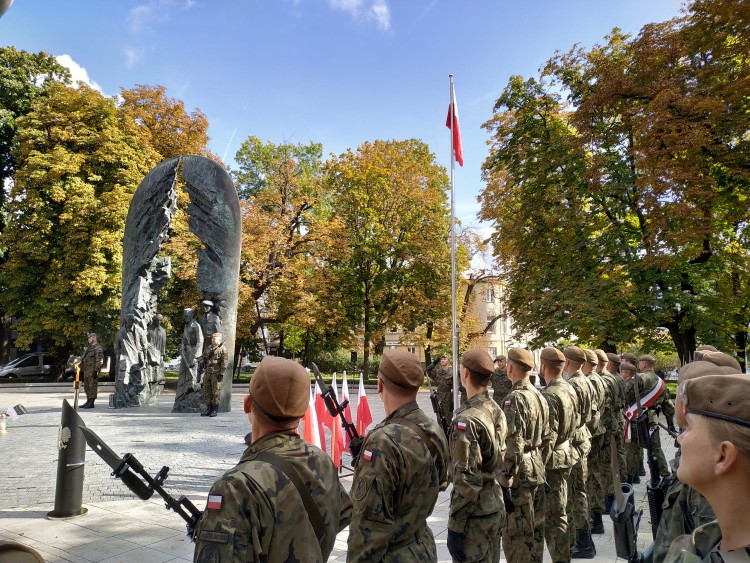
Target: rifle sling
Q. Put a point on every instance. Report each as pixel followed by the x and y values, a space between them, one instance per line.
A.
pixel 316 519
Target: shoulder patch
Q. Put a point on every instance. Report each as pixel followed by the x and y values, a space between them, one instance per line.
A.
pixel 359 490
pixel 213 537
pixel 214 502
pixel 460 425
pixel 367 455
pixel 507 403
pixel 209 554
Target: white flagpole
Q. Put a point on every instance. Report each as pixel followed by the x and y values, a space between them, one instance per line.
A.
pixel 454 315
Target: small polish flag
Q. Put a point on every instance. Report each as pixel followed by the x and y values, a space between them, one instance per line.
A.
pixel 214 502
pixel 322 414
pixel 461 425
pixel 310 426
pixel 364 416
pixel 367 455
pixel 337 433
pixel 506 403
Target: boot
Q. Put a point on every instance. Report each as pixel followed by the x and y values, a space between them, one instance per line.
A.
pixel 636 479
pixel 609 500
pixel 91 404
pixel 208 411
pixel 641 469
pixel 214 411
pixel 584 548
pixel 598 526
pixel 85 405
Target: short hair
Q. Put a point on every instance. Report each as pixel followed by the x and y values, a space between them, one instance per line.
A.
pixel 556 367
pixel 478 379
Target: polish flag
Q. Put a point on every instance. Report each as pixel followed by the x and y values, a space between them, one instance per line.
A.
pixel 452 123
pixel 310 430
pixel 322 414
pixel 347 409
pixel 364 416
pixel 337 433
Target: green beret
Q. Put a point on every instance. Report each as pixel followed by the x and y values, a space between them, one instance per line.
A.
pixel 401 368
pixel 478 361
pixel 281 388
pixel 726 397
pixel 552 355
pixel 522 357
pixel 575 354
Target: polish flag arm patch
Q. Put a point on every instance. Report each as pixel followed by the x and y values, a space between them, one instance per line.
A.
pixel 367 455
pixel 461 425
pixel 214 502
pixel 507 403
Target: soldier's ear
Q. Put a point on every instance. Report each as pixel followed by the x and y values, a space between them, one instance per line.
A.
pixel 248 403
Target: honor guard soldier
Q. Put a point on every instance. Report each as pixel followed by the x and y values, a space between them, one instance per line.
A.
pixel 283 500
pixel 477 512
pixel 441 372
pixel 91 363
pixel 215 361
pixel 402 467
pixel 526 413
pixel 500 383
pixel 660 403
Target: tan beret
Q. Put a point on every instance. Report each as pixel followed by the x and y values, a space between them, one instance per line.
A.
pixel 626 366
pixel 722 359
pixel 591 357
pixel 614 358
pixel 281 388
pixel 726 397
pixel 601 355
pixel 647 358
pixel 628 357
pixel 552 355
pixel 401 368
pixel 706 348
pixel 574 353
pixel 701 368
pixel 478 361
pixel 522 357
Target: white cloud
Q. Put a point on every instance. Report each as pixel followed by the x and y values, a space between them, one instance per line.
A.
pixel 366 10
pixel 77 72
pixel 156 11
pixel 132 56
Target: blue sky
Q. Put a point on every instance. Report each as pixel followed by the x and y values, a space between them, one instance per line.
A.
pixel 339 72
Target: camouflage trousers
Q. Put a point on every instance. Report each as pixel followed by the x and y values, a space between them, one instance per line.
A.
pixel 482 539
pixel 211 390
pixel 556 532
pixel 661 460
pixel 594 480
pixel 606 460
pixel 90 385
pixel 523 533
pixel 578 504
pixel 633 456
pixel 446 404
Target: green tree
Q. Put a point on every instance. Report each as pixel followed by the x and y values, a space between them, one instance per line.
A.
pixel 393 268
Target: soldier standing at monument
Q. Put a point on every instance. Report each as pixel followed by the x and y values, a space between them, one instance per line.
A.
pixel 527 416
pixel 500 383
pixel 402 467
pixel 255 511
pixel 560 455
pixel 190 350
pixel 215 362
pixel 477 511
pixel 91 363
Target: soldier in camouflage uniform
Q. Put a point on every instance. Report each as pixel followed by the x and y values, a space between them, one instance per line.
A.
pixel 663 403
pixel 254 511
pixel 578 505
pixel 500 383
pixel 594 484
pixel 632 453
pixel 715 460
pixel 215 361
pixel 91 363
pixel 477 512
pixel 633 450
pixel 560 455
pixel 402 467
pixel 609 371
pixel 527 416
pixel 442 374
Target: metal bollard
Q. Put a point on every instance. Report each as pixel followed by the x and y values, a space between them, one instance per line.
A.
pixel 70 463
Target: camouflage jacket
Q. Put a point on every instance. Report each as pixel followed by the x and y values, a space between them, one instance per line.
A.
pixel 91 361
pixel 527 415
pixel 615 394
pixel 564 421
pixel 501 386
pixel 598 404
pixel 216 360
pixel 647 380
pixel 395 488
pixel 702 546
pixel 442 378
pixel 477 450
pixel 583 391
pixel 255 513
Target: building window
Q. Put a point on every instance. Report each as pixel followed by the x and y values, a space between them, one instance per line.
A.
pixel 490 294
pixel 412 350
pixel 492 351
pixel 491 327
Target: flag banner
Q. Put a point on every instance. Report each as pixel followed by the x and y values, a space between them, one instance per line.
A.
pixel 364 416
pixel 311 429
pixel 323 416
pixel 452 123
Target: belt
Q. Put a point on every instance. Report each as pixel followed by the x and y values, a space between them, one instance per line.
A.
pixel 394 546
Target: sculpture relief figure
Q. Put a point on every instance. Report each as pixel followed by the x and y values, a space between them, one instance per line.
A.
pixel 157 343
pixel 210 321
pixel 190 350
pixel 130 346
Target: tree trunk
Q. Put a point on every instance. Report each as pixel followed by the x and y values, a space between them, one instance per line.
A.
pixel 367 336
pixel 684 341
pixel 5 328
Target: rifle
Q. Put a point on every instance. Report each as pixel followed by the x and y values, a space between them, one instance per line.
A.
pixel 625 518
pixel 337 409
pixel 435 400
pixel 132 473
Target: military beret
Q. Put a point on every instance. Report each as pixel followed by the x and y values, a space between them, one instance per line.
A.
pixel 281 388
pixel 522 357
pixel 626 366
pixel 574 353
pixel 601 355
pixel 552 355
pixel 726 397
pixel 614 358
pixel 628 357
pixel 706 348
pixel 478 361
pixel 401 368
pixel 647 358
pixel 92 334
pixel 700 368
pixel 722 359
pixel 591 357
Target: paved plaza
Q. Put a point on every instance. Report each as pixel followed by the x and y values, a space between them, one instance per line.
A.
pixel 118 526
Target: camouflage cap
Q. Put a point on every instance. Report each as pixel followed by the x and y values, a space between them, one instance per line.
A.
pixel 726 397
pixel 591 357
pixel 522 357
pixel 614 358
pixel 478 361
pixel 646 358
pixel 601 355
pixel 626 366
pixel 722 359
pixel 401 368
pixel 281 388
pixel 706 348
pixel 552 355
pixel 701 368
pixel 575 354
pixel 630 358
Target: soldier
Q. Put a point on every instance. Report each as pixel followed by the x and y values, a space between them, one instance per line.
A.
pixel 660 403
pixel 617 383
pixel 402 467
pixel 91 363
pixel 560 455
pixel 477 512
pixel 578 505
pixel 500 383
pixel 594 484
pixel 633 450
pixel 215 361
pixel 255 511
pixel 527 416
pixel 441 373
pixel 715 461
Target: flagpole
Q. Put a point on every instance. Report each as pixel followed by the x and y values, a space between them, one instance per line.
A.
pixel 454 315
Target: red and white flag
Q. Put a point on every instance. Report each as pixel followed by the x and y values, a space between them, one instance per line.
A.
pixel 364 416
pixel 310 427
pixel 452 123
pixel 347 408
pixel 324 417
pixel 337 432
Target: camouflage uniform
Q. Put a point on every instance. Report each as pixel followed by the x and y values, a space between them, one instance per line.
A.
pixel 215 362
pixel 501 386
pixel 527 416
pixel 477 449
pixel 702 546
pixel 443 379
pixel 647 380
pixel 578 506
pixel 615 427
pixel 262 517
pixel 395 488
pixel 91 363
pixel 594 481
pixel 559 456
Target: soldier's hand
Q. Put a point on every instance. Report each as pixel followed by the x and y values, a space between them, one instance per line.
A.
pixel 456 546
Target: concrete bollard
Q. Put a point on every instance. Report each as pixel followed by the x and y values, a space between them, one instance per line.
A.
pixel 70 464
